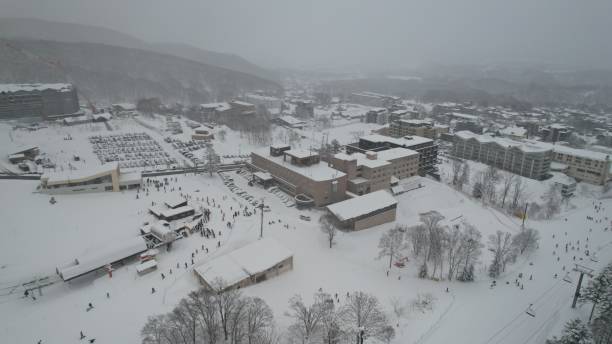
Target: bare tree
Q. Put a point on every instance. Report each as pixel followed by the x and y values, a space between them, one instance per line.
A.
pixel 391 244
pixel 526 240
pixel 517 193
pixel 258 318
pixel 331 331
pixel 226 301
pixel 211 159
pixel 507 179
pixel 204 303
pixel 419 239
pixel 153 331
pixel 504 252
pixel 454 250
pixel 400 309
pixel 435 233
pixel 490 179
pixel 328 227
pixel 464 177
pixel 306 319
pixel 237 328
pixel 552 199
pixel 456 171
pixel 363 317
pixel 472 246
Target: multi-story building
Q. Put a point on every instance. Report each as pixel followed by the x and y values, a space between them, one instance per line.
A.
pixel 555 133
pixel 304 108
pixel 469 125
pixel 372 99
pixel 263 100
pixel 23 100
pixel 428 151
pixel 300 171
pixel 584 165
pixel 378 116
pixel 530 160
pixel 416 127
pixel 374 171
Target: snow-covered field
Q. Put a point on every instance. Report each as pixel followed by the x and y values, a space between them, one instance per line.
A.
pixel 37 236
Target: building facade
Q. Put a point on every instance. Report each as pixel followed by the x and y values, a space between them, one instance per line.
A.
pixel 302 172
pixel 23 100
pixel 528 160
pixel 416 127
pixel 104 178
pixel 584 165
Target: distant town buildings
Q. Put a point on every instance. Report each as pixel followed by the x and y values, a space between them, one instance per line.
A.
pixel 304 108
pixel 526 159
pixel 372 99
pixel 555 133
pixel 263 100
pixel 43 100
pixel 416 127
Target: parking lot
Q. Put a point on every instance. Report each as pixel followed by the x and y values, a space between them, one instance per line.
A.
pixel 131 150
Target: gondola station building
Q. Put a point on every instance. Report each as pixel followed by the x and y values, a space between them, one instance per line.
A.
pixel 107 177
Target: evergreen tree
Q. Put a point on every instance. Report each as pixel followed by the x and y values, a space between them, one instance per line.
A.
pixel 575 332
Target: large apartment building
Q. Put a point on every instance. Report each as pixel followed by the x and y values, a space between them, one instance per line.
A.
pixel 530 160
pixel 23 100
pixel 584 165
pixel 416 127
pixel 428 151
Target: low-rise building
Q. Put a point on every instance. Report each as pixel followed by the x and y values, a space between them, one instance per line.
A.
pixel 104 178
pixel 527 159
pixel 365 211
pixel 300 171
pixel 250 264
pixel 202 134
pixel 566 184
pixel 290 122
pixel 584 165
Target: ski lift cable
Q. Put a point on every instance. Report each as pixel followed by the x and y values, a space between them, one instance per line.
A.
pixel 538 299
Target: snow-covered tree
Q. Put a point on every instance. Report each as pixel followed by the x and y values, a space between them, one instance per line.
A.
pixel 258 319
pixel 392 244
pixel 211 159
pixel 598 288
pixel 504 252
pixel 517 193
pixel 363 317
pixel 526 240
pixel 575 332
pixel 307 319
pixel 456 172
pixel 552 201
pixel 226 301
pixel 331 323
pixel 472 245
pixel 464 177
pixel 328 226
pixel 507 179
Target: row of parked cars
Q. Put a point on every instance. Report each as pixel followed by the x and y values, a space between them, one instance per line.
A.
pixel 130 150
pixel 229 182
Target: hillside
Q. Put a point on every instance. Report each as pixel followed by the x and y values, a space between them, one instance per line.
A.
pixel 36 29
pixel 111 73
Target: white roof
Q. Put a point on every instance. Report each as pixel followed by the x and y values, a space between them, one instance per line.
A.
pixel 34 87
pixel 362 160
pixel 244 262
pixel 525 146
pixel 464 116
pixel 513 131
pixel 146 265
pixel 179 210
pixel 396 153
pixel 317 172
pixel 406 141
pixel 173 201
pixel 583 153
pixel 100 257
pixel 300 153
pixel 362 205
pixel 291 120
pixel 263 175
pixel 130 178
pixel 62 177
pixel 105 115
pixel 216 106
pixel 260 97
pixel 239 102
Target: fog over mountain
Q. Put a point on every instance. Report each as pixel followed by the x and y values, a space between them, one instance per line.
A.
pixel 348 34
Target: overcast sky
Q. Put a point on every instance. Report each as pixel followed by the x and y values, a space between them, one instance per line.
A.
pixel 374 34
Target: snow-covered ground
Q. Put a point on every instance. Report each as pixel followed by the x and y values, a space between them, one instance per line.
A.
pixel 37 236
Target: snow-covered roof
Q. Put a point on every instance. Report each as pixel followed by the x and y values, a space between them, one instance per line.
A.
pixel 263 175
pixel 105 115
pixel 260 97
pixel 300 153
pixel 464 116
pixel 61 177
pixel 239 102
pixel 291 120
pixel 244 262
pixel 406 141
pixel 362 205
pixel 146 265
pixel 525 146
pixel 396 153
pixel 560 178
pixel 174 201
pixel 100 257
pixel 216 106
pixel 10 88
pixel 513 131
pixel 317 172
pixel 362 160
pixel 130 177
pixel 172 212
pixel 583 153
